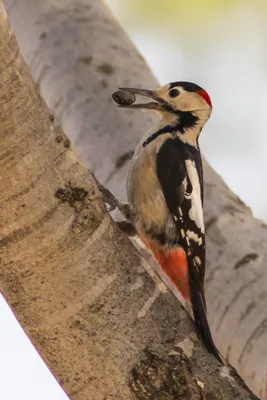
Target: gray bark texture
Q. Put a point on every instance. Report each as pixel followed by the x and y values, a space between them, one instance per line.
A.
pixel 79 55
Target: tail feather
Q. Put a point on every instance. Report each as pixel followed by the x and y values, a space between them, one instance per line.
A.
pixel 198 301
pixel 200 316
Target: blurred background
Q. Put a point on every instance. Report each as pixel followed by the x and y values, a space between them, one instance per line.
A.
pixel 222 46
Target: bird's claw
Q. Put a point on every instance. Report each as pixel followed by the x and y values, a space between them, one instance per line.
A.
pixel 108 198
pixel 114 203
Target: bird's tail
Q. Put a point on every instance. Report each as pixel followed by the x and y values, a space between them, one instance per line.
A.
pixel 185 277
pixel 200 316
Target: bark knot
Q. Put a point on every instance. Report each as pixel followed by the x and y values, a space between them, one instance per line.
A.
pixel 73 195
pixel 66 141
pixel 87 218
pixel 105 68
pixel 245 260
pixel 85 60
pixel 164 378
pixel 124 158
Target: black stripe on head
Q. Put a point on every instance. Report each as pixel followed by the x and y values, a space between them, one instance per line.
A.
pixel 188 86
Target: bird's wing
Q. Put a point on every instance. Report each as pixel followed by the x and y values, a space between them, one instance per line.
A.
pixel 180 176
pixel 179 170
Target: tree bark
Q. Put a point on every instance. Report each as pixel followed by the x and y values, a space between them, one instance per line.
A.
pixel 79 54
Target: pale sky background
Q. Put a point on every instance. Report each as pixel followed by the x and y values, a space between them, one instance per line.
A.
pixel 223 49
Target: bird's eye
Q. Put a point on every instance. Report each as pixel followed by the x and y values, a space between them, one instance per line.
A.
pixel 173 93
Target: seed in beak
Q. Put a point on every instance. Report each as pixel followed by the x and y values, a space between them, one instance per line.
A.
pixel 123 98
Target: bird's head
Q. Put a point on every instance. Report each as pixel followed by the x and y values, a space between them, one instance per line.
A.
pixel 181 104
pixel 172 98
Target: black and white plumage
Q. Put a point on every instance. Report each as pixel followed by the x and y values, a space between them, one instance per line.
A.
pixel 179 169
pixel 165 191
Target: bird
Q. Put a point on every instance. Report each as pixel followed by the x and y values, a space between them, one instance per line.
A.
pixel 165 189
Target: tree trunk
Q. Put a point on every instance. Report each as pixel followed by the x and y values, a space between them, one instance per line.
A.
pixel 78 54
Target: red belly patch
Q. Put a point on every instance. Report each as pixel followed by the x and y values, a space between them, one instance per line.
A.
pixel 173 262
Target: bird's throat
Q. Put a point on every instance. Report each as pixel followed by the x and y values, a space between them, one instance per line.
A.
pixel 184 125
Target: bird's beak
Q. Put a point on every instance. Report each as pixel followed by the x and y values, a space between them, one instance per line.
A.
pixel 157 105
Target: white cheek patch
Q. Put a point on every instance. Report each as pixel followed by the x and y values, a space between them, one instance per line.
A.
pixel 196 211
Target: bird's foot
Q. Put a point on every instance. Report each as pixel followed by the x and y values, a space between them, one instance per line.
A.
pixel 127 227
pixel 113 202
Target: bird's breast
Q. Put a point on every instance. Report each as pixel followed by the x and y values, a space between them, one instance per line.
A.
pixel 144 191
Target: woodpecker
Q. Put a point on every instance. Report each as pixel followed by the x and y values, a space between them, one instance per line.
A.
pixel 165 190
